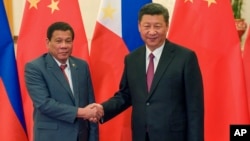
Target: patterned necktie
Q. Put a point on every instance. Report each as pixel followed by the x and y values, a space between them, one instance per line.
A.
pixel 62 67
pixel 150 71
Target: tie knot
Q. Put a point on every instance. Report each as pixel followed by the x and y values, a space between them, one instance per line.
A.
pixel 151 56
pixel 63 66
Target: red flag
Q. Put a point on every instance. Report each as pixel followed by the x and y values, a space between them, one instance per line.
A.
pixel 9 120
pixel 38 15
pixel 12 125
pixel 246 61
pixel 116 34
pixel 207 26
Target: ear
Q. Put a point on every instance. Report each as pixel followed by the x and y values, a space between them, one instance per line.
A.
pixel 139 27
pixel 47 43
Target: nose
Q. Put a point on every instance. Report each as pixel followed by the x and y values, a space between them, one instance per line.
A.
pixel 152 31
pixel 63 44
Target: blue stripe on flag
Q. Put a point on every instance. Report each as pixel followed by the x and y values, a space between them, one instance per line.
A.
pixel 8 70
pixel 130 33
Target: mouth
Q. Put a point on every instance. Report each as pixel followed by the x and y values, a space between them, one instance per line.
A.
pixel 152 39
pixel 63 53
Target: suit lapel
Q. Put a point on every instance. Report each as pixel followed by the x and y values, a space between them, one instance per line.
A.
pixel 141 67
pixel 55 70
pixel 75 76
pixel 166 57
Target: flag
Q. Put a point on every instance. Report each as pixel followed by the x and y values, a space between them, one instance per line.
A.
pixel 115 35
pixel 207 27
pixel 12 124
pixel 246 62
pixel 37 17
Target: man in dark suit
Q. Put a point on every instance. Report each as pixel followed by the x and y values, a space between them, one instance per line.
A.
pixel 172 107
pixel 60 96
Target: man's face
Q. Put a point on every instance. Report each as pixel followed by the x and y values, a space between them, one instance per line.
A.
pixel 153 30
pixel 61 44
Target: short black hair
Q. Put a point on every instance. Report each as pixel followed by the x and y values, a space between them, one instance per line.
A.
pixel 59 26
pixel 154 9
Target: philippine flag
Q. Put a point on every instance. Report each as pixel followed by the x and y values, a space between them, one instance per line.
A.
pixel 12 125
pixel 116 34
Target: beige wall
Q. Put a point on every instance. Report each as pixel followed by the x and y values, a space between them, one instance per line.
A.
pixel 8 5
pixel 89 10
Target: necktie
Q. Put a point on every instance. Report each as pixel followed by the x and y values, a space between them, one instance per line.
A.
pixel 62 67
pixel 150 71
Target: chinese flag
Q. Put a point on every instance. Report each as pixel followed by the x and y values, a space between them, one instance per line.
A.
pixel 12 124
pixel 38 15
pixel 207 27
pixel 116 34
pixel 246 61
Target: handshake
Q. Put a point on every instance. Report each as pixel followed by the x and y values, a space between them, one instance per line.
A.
pixel 92 112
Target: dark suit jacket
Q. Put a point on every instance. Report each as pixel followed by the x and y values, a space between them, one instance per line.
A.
pixel 55 107
pixel 174 108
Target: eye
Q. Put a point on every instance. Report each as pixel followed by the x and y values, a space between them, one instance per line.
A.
pixel 157 26
pixel 58 41
pixel 69 41
pixel 146 26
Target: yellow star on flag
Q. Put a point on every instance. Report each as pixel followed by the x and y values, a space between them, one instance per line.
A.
pixel 54 6
pixel 108 12
pixel 209 2
pixel 33 3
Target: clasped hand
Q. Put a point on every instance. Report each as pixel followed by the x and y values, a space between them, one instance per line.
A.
pixel 92 112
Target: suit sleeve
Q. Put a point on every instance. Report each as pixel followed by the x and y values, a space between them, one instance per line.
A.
pixel 194 99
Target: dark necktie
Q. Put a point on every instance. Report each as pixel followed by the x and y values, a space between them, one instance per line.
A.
pixel 62 67
pixel 150 71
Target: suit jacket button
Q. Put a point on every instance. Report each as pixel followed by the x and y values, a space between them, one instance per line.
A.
pixel 147 103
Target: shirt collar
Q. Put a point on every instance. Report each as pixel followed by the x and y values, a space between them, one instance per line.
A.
pixel 157 52
pixel 58 63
